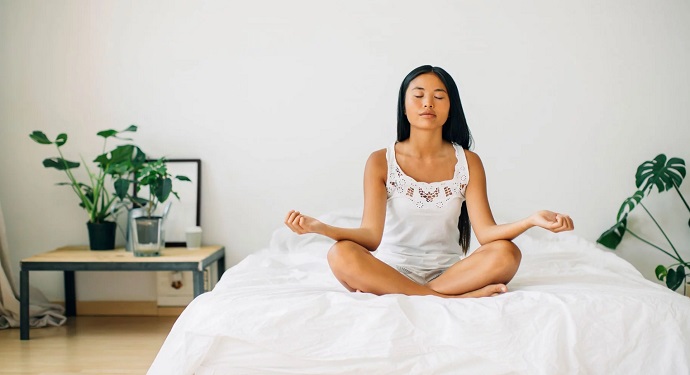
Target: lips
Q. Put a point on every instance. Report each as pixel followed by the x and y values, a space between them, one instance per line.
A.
pixel 427 114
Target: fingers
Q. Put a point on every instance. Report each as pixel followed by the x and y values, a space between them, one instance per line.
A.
pixel 294 221
pixel 569 223
pixel 287 218
pixel 562 223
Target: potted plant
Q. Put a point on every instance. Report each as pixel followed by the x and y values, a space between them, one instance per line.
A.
pixel 665 175
pixel 114 165
pixel 147 229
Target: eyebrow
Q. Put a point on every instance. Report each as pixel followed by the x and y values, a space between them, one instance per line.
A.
pixel 422 88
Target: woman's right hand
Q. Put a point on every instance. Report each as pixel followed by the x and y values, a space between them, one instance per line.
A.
pixel 302 224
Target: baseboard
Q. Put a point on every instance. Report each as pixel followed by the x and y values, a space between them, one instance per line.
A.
pixel 126 308
pixel 170 310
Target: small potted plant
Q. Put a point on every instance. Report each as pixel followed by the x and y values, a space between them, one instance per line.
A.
pixel 100 204
pixel 147 230
pixel 665 174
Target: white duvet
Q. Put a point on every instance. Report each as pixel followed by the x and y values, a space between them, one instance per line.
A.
pixel 572 309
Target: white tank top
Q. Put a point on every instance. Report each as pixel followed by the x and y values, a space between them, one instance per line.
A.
pixel 421 229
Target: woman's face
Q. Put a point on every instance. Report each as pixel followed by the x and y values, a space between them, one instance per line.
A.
pixel 426 102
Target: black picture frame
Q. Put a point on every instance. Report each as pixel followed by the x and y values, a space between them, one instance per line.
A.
pixel 187 211
pixel 175 234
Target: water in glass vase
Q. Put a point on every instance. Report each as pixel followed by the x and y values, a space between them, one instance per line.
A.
pixel 147 236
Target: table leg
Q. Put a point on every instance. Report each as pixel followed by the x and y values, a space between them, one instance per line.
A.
pixel 24 304
pixel 221 266
pixel 198 283
pixel 70 294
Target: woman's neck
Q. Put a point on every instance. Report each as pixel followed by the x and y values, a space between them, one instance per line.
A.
pixel 422 144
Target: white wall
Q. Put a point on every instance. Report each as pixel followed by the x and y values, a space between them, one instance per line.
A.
pixel 284 101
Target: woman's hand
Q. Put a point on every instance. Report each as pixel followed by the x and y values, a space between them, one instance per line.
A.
pixel 302 224
pixel 552 221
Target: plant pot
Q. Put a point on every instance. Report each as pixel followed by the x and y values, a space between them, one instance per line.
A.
pixel 147 239
pixel 101 235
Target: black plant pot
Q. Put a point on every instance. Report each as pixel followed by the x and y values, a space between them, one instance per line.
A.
pixel 101 235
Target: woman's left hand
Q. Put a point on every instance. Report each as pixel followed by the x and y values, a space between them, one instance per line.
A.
pixel 552 221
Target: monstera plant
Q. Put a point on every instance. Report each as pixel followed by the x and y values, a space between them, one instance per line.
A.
pixel 113 170
pixel 664 174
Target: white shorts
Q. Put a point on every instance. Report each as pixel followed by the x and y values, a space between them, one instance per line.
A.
pixel 421 277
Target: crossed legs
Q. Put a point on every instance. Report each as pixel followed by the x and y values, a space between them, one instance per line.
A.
pixel 484 273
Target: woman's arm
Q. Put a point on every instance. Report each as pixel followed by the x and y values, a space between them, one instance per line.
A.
pixel 482 220
pixel 370 231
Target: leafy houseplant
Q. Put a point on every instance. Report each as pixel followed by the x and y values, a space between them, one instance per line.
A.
pixel 148 229
pixel 665 175
pixel 155 175
pixel 116 165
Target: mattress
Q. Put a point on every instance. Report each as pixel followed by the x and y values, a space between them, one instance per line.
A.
pixel 572 308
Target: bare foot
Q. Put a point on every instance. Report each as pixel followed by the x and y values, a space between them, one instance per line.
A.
pixel 487 291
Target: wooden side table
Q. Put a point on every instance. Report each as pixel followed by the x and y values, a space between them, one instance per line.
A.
pixel 80 258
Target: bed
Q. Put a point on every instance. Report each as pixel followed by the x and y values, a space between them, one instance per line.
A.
pixel 572 309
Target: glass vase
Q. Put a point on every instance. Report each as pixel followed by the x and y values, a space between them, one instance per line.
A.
pixel 146 236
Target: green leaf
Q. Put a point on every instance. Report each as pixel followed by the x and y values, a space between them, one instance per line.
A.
pixel 183 178
pixel 107 133
pixel 121 187
pixel 139 158
pixel 629 204
pixel 122 153
pixel 678 165
pixel 675 278
pixel 660 173
pixel 40 137
pixel 162 190
pixel 121 156
pixel 131 128
pixel 117 161
pixel 88 193
pixel 138 201
pixel 61 139
pixel 661 272
pixel 612 237
pixel 60 164
pixel 113 133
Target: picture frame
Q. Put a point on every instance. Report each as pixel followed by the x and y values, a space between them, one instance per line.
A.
pixel 185 212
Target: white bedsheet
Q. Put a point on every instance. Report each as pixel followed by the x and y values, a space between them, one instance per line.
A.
pixel 572 309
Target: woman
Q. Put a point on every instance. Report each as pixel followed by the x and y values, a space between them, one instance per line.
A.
pixel 420 196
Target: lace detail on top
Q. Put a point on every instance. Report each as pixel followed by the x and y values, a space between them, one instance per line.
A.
pixel 427 194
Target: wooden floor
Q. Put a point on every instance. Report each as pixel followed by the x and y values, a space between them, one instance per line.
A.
pixel 86 345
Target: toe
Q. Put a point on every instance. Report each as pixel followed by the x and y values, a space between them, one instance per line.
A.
pixel 498 289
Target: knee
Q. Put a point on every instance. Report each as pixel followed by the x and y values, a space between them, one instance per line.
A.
pixel 343 255
pixel 507 253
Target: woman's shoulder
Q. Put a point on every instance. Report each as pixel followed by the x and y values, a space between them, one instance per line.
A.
pixel 474 162
pixel 379 158
pixel 470 155
pixel 378 162
pixel 379 154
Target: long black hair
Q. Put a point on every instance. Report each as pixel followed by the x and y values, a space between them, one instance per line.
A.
pixel 454 130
